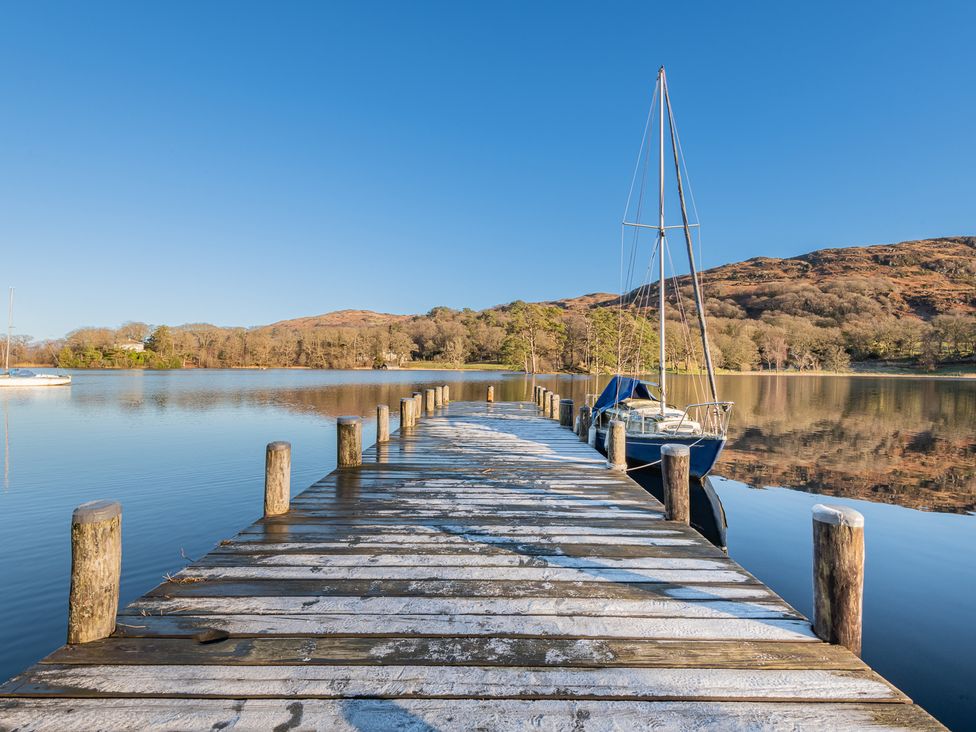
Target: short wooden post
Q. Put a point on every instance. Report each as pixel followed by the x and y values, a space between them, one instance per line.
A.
pixel 96 566
pixel 541 399
pixel 277 478
pixel 490 394
pixel 382 423
pixel 438 396
pixel 349 436
pixel 406 412
pixel 554 407
pixel 617 445
pixel 418 406
pixel 838 575
pixel 566 413
pixel 675 469
pixel 584 423
pixel 447 395
pixel 429 400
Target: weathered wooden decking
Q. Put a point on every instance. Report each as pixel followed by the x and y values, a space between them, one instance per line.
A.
pixel 483 570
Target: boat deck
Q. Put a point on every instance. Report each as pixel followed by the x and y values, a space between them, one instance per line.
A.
pixel 483 570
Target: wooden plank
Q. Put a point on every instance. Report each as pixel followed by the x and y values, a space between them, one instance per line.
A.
pixel 317 605
pixel 505 682
pixel 460 588
pixel 382 715
pixel 538 574
pixel 475 650
pixel 732 629
pixel 382 559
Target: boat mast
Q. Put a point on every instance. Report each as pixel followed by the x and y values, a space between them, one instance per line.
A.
pixel 10 320
pixel 699 305
pixel 660 240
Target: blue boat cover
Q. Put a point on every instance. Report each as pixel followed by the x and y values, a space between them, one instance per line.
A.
pixel 619 388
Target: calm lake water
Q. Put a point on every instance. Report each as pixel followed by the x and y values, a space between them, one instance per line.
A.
pixel 184 453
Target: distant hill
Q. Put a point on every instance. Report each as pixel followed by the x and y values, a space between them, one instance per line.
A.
pixel 342 319
pixel 923 278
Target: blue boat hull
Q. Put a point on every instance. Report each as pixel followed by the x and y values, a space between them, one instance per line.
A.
pixel 644 449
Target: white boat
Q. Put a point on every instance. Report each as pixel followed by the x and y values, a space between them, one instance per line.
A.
pixel 19 378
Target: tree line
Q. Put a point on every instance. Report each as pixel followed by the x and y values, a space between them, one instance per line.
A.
pixel 779 327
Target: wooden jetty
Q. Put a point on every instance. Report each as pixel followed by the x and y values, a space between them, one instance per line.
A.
pixel 483 569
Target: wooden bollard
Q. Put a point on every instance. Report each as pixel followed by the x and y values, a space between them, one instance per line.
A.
pixel 566 413
pixel 429 400
pixel 838 575
pixel 96 567
pixel 438 396
pixel 490 394
pixel 406 412
pixel 541 398
pixel 617 445
pixel 447 395
pixel 277 478
pixel 554 407
pixel 675 470
pixel 349 436
pixel 382 423
pixel 584 423
pixel 418 406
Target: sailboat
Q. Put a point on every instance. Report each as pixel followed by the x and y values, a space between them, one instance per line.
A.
pixel 650 420
pixel 16 378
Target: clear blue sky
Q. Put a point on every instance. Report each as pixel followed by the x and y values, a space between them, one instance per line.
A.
pixel 240 163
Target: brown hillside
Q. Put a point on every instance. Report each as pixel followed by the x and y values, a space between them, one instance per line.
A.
pixel 342 319
pixel 922 278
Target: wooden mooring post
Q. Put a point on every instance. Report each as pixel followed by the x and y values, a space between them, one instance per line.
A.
pixel 96 566
pixel 617 446
pixel 553 411
pixel 418 405
pixel 447 395
pixel 584 422
pixel 566 413
pixel 429 401
pixel 675 472
pixel 349 436
pixel 838 575
pixel 541 400
pixel 382 423
pixel 490 394
pixel 438 396
pixel 277 478
pixel 406 412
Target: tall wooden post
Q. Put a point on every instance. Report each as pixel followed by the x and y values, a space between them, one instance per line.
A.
pixel 675 470
pixel 418 405
pixel 406 412
pixel 438 396
pixel 382 423
pixel 429 400
pixel 566 413
pixel 490 395
pixel 96 567
pixel 541 402
pixel 554 406
pixel 447 395
pixel 617 446
pixel 277 478
pixel 349 436
pixel 584 423
pixel 838 575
